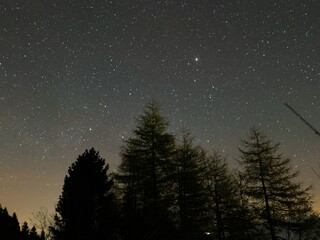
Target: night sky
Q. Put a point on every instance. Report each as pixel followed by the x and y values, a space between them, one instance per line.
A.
pixel 76 74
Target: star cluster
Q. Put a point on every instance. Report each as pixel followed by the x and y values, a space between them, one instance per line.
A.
pixel 75 74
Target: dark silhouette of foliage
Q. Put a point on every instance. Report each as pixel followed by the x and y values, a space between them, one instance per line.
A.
pixel 9 225
pixel 29 234
pixel 25 231
pixel 309 228
pixel 86 195
pixel 33 234
pixel 165 190
pixel 147 161
pixel 222 205
pixel 191 200
pixel 10 228
pixel 42 220
pixel 278 202
pixel 243 222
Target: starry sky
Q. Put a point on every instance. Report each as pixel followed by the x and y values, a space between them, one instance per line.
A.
pixel 76 74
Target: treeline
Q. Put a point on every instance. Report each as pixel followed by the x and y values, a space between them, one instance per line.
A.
pixel 167 187
pixel 10 228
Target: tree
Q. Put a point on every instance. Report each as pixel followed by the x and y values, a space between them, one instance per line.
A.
pixel 279 202
pixel 43 220
pixel 29 234
pixel 310 229
pixel 85 195
pixel 33 234
pixel 14 227
pixel 10 229
pixel 147 160
pixel 25 231
pixel 223 210
pixel 245 224
pixel 9 225
pixel 190 197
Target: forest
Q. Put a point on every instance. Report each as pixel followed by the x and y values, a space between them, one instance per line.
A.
pixel 168 187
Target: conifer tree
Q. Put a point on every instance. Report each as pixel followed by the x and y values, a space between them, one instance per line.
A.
pixel 9 225
pixel 147 161
pixel 275 196
pixel 190 192
pixel 222 204
pixel 244 223
pixel 25 231
pixel 85 194
pixel 15 226
pixel 33 234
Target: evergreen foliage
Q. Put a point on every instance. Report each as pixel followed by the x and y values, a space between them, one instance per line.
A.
pixel 10 228
pixel 25 231
pixel 221 198
pixel 172 189
pixel 244 222
pixel 29 234
pixel 277 200
pixel 190 190
pixel 146 174
pixel 85 195
pixel 9 225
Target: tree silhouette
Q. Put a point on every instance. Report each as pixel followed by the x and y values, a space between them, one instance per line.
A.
pixel 33 234
pixel 10 229
pixel 279 202
pixel 29 234
pixel 9 225
pixel 190 191
pixel 243 222
pixel 147 160
pixel 25 231
pixel 222 203
pixel 42 220
pixel 85 194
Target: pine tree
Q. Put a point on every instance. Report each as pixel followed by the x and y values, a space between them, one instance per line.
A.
pixel 33 234
pixel 25 231
pixel 190 197
pixel 9 225
pixel 222 204
pixel 84 196
pixel 15 227
pixel 147 159
pixel 244 223
pixel 276 198
pixel 43 235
